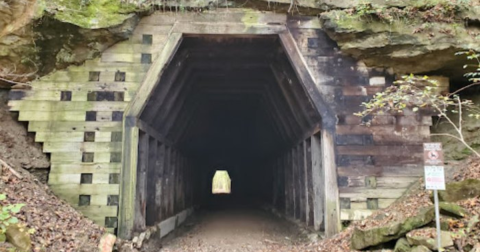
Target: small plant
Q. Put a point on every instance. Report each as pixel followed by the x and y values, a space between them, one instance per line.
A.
pixel 6 215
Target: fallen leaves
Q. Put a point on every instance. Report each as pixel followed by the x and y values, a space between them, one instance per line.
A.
pixel 58 226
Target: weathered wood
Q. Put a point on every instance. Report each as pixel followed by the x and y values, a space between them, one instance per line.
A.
pixel 82 146
pixel 154 75
pixel 128 175
pixel 166 183
pixel 44 106
pixel 52 126
pixel 152 131
pixel 296 184
pixel 332 213
pixel 318 182
pixel 305 76
pixel 141 182
pixel 387 193
pixel 172 184
pixel 308 182
pixel 151 175
pixel 232 28
pixel 159 179
pixel 60 168
pixel 302 183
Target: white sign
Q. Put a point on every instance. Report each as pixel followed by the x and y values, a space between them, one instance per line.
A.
pixel 434 178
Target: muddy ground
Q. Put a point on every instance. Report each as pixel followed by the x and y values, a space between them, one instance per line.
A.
pixel 17 146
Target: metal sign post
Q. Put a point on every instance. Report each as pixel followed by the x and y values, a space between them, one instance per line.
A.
pixel 434 178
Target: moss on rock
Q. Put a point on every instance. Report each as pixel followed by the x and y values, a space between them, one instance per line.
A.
pixel 89 14
pixel 362 239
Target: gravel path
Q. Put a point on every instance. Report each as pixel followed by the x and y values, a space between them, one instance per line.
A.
pixel 232 230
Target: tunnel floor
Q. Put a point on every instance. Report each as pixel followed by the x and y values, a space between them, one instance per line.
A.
pixel 241 229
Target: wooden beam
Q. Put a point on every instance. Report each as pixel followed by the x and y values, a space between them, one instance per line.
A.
pixel 304 74
pixel 151 217
pixel 332 205
pixel 127 184
pixel 154 75
pixel 160 95
pixel 141 182
pixel 318 183
pixel 159 166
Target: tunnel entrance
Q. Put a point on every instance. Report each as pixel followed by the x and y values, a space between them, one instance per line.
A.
pixel 228 101
pixel 221 183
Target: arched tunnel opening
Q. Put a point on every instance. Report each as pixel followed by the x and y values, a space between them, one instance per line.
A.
pixel 230 103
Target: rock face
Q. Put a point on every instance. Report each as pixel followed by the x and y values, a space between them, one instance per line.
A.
pixel 402 245
pixel 452 209
pixel 37 36
pixel 427 42
pixel 456 191
pixel 362 239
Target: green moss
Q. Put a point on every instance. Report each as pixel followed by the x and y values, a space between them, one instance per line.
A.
pixel 92 14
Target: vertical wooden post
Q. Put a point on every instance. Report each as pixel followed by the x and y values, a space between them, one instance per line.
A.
pixel 318 183
pixel 141 201
pixel 159 165
pixel 288 185
pixel 166 183
pixel 308 181
pixel 152 171
pixel 301 182
pixel 128 189
pixel 332 208
pixel 296 183
pixel 172 184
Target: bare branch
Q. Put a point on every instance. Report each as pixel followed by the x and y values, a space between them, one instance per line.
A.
pixel 463 88
pixel 3 163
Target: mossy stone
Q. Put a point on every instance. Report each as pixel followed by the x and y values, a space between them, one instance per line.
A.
pixel 19 237
pixel 452 209
pixel 417 239
pixel 457 191
pixel 362 239
pixel 402 245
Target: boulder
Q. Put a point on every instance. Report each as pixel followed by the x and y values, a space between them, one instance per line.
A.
pixel 106 243
pixel 452 209
pixel 19 237
pixel 402 245
pixel 362 239
pixel 456 191
pixel 427 237
pixel 420 248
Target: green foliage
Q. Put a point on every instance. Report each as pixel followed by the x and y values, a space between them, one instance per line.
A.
pixel 415 93
pixel 7 217
pixel 473 76
pixel 6 214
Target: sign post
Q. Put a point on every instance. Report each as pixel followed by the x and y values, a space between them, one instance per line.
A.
pixel 434 178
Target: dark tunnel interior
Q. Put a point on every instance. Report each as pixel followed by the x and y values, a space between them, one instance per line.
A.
pixel 230 103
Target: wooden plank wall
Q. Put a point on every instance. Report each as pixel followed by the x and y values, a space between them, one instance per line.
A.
pixel 375 165
pixel 163 179
pixel 77 114
pixel 297 181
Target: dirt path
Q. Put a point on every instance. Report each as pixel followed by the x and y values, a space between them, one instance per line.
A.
pixel 242 230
